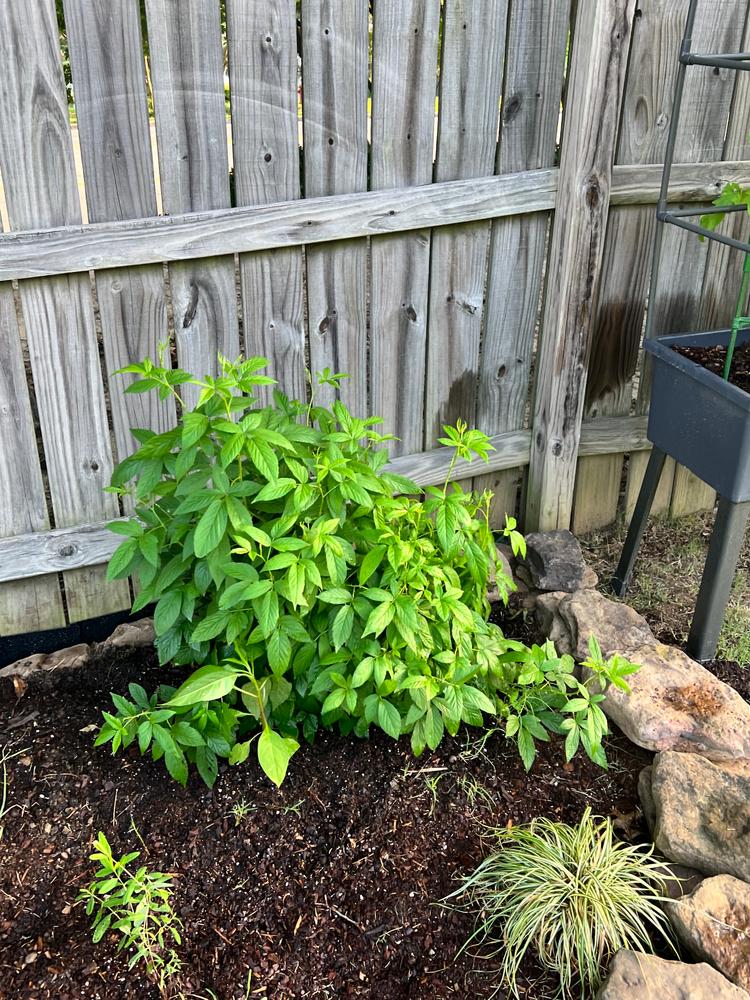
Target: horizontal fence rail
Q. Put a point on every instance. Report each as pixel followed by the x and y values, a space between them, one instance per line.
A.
pixel 69 249
pixel 89 545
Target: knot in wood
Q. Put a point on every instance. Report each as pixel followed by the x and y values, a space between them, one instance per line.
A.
pixel 512 108
pixel 66 551
pixel 593 192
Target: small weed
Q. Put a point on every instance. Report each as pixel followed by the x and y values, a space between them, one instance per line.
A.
pixel 295 808
pixel 476 793
pixel 431 782
pixel 136 904
pixel 6 755
pixel 241 810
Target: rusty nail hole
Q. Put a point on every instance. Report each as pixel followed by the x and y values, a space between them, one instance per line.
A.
pixel 392 212
pixel 330 142
pixel 94 466
pixel 268 38
pixel 268 157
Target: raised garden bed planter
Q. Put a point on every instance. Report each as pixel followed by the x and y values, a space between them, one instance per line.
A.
pixel 698 418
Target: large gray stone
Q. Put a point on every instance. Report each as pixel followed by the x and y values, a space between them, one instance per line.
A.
pixel 713 923
pixel 702 813
pixel 617 627
pixel 634 976
pixel 676 704
pixel 140 633
pixel 554 561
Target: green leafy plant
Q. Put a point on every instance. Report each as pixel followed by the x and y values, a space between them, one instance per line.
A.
pixel 136 904
pixel 309 584
pixel 731 194
pixel 543 695
pixel 574 894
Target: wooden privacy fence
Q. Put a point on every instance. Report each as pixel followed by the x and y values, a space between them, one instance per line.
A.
pixel 452 201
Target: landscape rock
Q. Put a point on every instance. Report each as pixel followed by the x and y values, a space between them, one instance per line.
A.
pixel 676 704
pixel 554 561
pixel 72 656
pixel 646 796
pixel 713 923
pixel 701 813
pixel 551 623
pixel 618 628
pixel 134 634
pixel 634 976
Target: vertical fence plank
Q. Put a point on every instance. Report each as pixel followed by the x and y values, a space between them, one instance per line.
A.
pixel 36 162
pixel 25 605
pixel 597 75
pixel 644 124
pixel 537 40
pixel 187 72
pixel 703 124
pixel 405 51
pixel 108 71
pixel 263 74
pixel 335 44
pixel 471 77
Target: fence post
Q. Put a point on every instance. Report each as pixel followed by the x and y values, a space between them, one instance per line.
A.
pixel 595 85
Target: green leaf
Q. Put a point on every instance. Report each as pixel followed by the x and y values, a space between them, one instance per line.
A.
pixel 132 529
pixel 207 764
pixel 370 563
pixel 122 558
pixel 389 719
pixel 194 426
pixel 274 753
pixel 186 735
pixel 526 748
pixel 571 743
pixel 263 458
pixel 177 766
pixel 279 650
pixel 211 528
pixel 210 626
pixel 473 698
pixel 363 672
pixel 239 753
pixel 342 625
pixel 275 490
pixel 267 612
pixel 206 684
pixel 335 595
pixel 167 611
pixel 334 700
pixel 380 618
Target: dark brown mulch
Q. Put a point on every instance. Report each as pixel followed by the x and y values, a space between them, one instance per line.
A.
pixel 732 673
pixel 714 358
pixel 326 889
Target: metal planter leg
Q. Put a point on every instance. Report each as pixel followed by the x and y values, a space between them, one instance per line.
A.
pixel 624 571
pixel 718 575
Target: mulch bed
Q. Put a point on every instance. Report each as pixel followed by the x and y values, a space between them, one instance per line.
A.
pixel 327 888
pixel 713 358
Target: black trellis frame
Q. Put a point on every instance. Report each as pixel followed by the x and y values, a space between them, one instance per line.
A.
pixel 732 518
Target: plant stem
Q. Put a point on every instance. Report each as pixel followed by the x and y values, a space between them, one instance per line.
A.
pixel 739 319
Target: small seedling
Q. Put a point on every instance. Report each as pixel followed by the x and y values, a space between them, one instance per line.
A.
pixel 241 810
pixel 6 755
pixel 432 783
pixel 136 904
pixel 475 792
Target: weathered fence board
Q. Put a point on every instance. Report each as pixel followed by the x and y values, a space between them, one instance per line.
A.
pixel 262 40
pixel 335 41
pixel 187 72
pixel 598 64
pixel 471 76
pixel 404 65
pixel 36 162
pixel 537 40
pixel 107 67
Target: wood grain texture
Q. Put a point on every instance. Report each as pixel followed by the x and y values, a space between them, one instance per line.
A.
pixel 36 604
pixel 404 74
pixel 67 249
pixel 48 551
pixel 187 74
pixel 597 74
pixel 471 75
pixel 107 67
pixel 36 163
pixel 647 106
pixel 701 136
pixel 537 39
pixel 262 42
pixel 335 47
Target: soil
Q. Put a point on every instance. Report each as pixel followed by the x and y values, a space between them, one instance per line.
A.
pixel 327 888
pixel 713 358
pixel 734 674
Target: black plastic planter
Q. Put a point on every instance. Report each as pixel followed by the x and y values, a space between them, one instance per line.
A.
pixel 698 418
